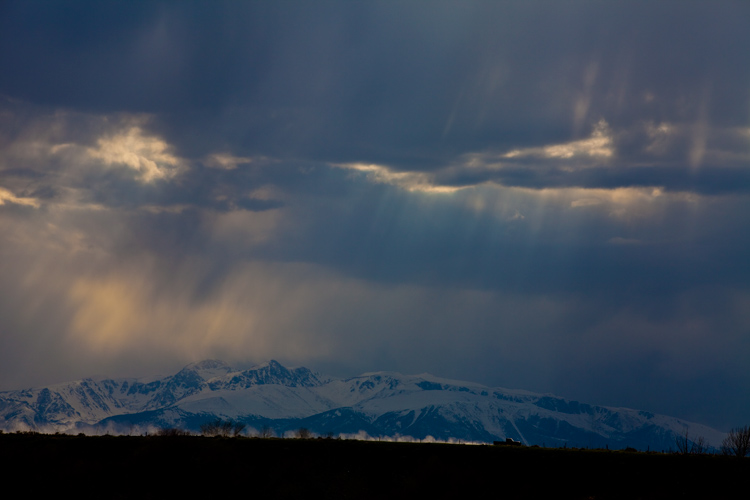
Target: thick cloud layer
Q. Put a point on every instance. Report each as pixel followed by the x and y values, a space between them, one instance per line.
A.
pixel 545 196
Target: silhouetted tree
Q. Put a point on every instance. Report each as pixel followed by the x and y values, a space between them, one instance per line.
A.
pixel 265 432
pixel 304 433
pixel 737 442
pixel 223 428
pixel 237 428
pixel 212 428
pixel 171 432
pixel 699 447
pixel 686 446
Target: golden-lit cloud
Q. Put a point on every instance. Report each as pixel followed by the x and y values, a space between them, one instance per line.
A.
pixel 148 155
pixel 598 145
pixel 105 143
pixel 8 197
pixel 411 181
pixel 584 153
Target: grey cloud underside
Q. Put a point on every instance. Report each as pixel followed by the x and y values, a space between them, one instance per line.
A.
pixel 382 81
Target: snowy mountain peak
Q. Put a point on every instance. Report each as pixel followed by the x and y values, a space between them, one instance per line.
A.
pixel 209 368
pixel 274 372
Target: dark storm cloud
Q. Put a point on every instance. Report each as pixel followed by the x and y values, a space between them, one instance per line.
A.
pixel 280 179
pixel 382 82
pixel 386 234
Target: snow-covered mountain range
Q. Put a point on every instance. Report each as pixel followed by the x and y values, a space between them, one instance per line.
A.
pixel 381 404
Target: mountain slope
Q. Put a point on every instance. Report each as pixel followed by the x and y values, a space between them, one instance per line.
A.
pixel 380 404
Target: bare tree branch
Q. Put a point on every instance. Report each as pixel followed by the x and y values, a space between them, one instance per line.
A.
pixel 737 442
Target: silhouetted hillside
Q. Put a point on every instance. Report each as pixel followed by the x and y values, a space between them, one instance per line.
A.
pixel 200 467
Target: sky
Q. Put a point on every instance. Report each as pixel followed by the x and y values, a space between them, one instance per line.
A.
pixel 551 196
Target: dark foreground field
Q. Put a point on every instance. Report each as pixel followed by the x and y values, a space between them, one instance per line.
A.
pixel 201 467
